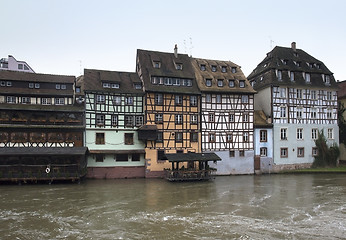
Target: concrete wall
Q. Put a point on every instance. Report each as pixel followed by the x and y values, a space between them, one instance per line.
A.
pixel 234 165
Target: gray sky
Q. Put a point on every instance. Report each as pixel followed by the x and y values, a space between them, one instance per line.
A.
pixel 66 36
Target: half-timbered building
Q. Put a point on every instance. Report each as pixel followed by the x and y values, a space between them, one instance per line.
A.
pixel 227 115
pixel 41 128
pixel 114 112
pixel 299 93
pixel 172 101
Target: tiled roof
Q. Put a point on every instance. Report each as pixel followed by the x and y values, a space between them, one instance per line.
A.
pixel 187 157
pixel 294 60
pixel 93 81
pixel 35 77
pixel 222 71
pixel 168 68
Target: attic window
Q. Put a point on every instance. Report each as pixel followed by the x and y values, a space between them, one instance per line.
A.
pixel 231 83
pixel 298 64
pixel 106 85
pixel 327 79
pixel 241 83
pixel 220 82
pixel 318 66
pixel 157 64
pixel 264 65
pixel 138 86
pixel 295 54
pixel 234 69
pixel 203 68
pixel 115 85
pixel 213 68
pixel 208 82
pixel 284 61
pixel 311 65
pixel 77 89
pixel 261 79
pixel 223 69
pixel 179 66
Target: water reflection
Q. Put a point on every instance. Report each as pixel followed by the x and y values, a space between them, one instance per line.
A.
pixel 235 207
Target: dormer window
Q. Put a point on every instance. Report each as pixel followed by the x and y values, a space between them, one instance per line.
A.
pixel 279 75
pixel 295 54
pixel 37 85
pixel 292 76
pixel 106 85
pixel 157 64
pixel 208 82
pixel 284 61
pixel 234 69
pixel 223 69
pixel 311 65
pixel 115 85
pixel 231 83
pixel 327 79
pixel 213 68
pixel 77 89
pixel 307 77
pixel 241 83
pixel 179 66
pixel 203 68
pixel 318 66
pixel 138 86
pixel 220 82
pixel 31 85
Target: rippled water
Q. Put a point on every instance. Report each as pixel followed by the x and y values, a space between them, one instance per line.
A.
pixel 234 207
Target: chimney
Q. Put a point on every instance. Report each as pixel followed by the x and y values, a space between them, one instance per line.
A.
pixel 176 51
pixel 293 46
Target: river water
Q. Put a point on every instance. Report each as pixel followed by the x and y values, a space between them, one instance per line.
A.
pixel 309 206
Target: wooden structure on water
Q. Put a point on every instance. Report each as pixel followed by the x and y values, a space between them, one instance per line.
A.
pixel 197 168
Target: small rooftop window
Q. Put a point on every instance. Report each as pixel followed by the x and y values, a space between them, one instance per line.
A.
pixel 106 85
pixel 213 68
pixel 234 69
pixel 284 61
pixel 138 86
pixel 241 83
pixel 223 69
pixel 203 68
pixel 208 82
pixel 220 82
pixel 179 66
pixel 157 64
pixel 115 85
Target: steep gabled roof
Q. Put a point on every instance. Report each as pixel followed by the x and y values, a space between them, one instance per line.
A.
pixel 93 80
pixel 168 68
pixel 208 73
pixel 342 90
pixel 293 60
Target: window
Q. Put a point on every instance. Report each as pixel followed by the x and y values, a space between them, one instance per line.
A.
pixel 284 61
pixel 128 121
pixel 193 101
pixel 154 80
pixel 284 152
pixel 194 137
pixel 314 133
pixel 263 135
pixel 218 98
pixel 159 137
pixel 194 119
pixel 241 83
pixel 3 83
pixel 282 92
pixel 263 152
pixel 168 81
pixel 211 117
pixel 231 117
pixel 100 98
pixel 121 157
pixel 158 99
pixel 157 64
pixel 282 112
pixel 161 155
pixel 292 76
pixel 37 85
pixel 314 151
pixel 178 100
pixel 138 86
pixel 114 120
pixel 231 83
pixel 299 134
pixel 313 113
pixel 57 86
pixel 279 75
pixel 208 82
pixel 26 100
pixel 283 133
pixel 208 98
pixel 46 101
pixel 179 66
pixel 213 68
pixel 299 113
pixel 128 138
pixel 63 86
pixel 203 68
pixel 178 119
pixel 300 152
pixel 223 69
pixel 307 77
pixel 245 137
pixel 100 138
pixel 220 82
pixel 136 157
pixel 176 81
pixel 128 100
pixel 329 95
pixel 116 100
pixel 100 119
pixel 330 133
pixel 139 120
pixel 9 84
pixel 313 95
pixel 178 137
pixel 241 153
pixel 20 66
pixel 231 153
pixel 99 157
pixel 327 79
pixel 329 113
pixel 299 93
pixel 158 118
pixel 11 99
pixel 229 137
pixel 211 137
pixel 234 69
pixel 77 89
pixel 244 98
pixel 59 101
pixel 106 85
pixel 245 117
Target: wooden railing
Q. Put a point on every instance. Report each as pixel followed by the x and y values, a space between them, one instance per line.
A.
pixel 189 175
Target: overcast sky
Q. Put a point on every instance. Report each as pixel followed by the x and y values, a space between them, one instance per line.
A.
pixel 66 36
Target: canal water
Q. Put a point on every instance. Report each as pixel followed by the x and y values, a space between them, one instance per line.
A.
pixel 311 206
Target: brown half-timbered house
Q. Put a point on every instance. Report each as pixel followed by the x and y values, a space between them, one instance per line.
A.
pixel 172 102
pixel 227 115
pixel 41 128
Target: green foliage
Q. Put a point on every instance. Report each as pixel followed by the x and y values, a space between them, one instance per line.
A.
pixel 342 123
pixel 327 156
